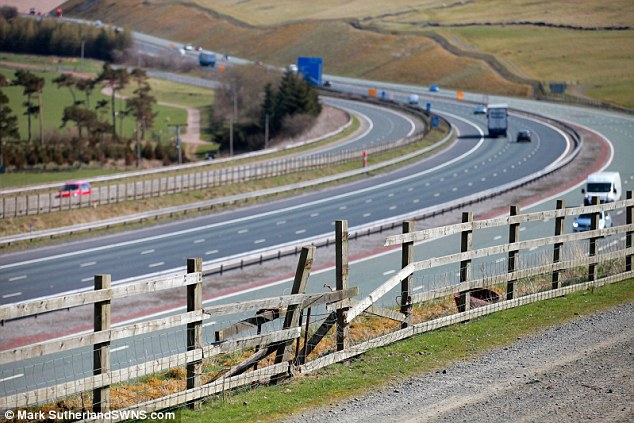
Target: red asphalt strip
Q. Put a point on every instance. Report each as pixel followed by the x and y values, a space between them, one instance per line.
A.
pixel 581 176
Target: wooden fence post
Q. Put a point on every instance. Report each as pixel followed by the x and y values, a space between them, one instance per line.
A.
pixel 592 244
pixel 629 219
pixel 342 269
pixel 194 329
pixel 407 257
pixel 101 351
pixel 559 230
pixel 513 255
pixel 466 243
pixel 293 312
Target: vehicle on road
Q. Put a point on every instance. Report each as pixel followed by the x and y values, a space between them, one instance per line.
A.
pixel 497 119
pixel 75 189
pixel 605 185
pixel 188 47
pixel 480 109
pixel 524 136
pixel 207 59
pixel 583 222
pixel 413 100
pixel 434 88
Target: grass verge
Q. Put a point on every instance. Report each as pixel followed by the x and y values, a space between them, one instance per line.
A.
pixel 22 224
pixel 418 355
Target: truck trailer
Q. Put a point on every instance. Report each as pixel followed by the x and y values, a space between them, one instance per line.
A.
pixel 497 117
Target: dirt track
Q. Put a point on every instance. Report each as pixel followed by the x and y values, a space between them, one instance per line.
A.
pixel 581 371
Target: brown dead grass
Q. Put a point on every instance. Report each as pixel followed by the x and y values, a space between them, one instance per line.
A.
pixel 346 50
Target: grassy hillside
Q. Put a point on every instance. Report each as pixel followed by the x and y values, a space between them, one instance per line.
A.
pixel 540 41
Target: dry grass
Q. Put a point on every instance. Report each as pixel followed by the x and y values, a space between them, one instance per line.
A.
pixel 393 46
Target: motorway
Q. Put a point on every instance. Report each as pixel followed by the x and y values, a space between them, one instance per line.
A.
pixel 471 165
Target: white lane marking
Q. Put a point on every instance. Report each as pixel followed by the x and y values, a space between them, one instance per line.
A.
pixel 280 222
pixel 437 195
pixel 208 253
pixel 89 263
pixel 300 231
pixel 160 263
pixel 454 189
pixel 199 241
pixel 416 201
pixel 17 278
pixel 88 279
pixel 243 231
pixel 367 214
pixel 12 377
pixel 497 237
pixel 369 200
pixel 343 207
pixel 389 272
pixel 15 294
pixel 252 217
pixel 392 207
pixel 314 214
pixel 121 348
pixel 259 241
pixel 209 324
pixel 148 251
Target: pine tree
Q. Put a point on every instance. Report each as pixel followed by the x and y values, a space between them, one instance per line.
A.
pixel 8 122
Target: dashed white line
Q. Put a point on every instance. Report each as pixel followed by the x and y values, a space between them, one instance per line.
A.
pixel 160 263
pixel 15 294
pixel 89 263
pixel 199 241
pixel 17 278
pixel 12 377
pixel 209 324
pixel 259 241
pixel 92 278
pixel 314 214
pixel 208 253
pixel 121 348
pixel 280 222
pixel 243 231
pixel 497 237
pixel 300 231
pixel 437 195
pixel 148 251
pixel 343 207
pixel 389 272
pixel 367 214
pixel 392 207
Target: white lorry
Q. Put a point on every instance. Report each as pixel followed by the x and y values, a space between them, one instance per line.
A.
pixel 497 118
pixel 605 185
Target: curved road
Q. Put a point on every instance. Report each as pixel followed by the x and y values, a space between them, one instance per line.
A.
pixel 471 165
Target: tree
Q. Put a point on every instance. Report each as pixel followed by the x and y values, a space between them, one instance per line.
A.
pixel 69 81
pixel 8 122
pixel 87 86
pixel 115 79
pixel 140 106
pixel 32 85
pixel 83 118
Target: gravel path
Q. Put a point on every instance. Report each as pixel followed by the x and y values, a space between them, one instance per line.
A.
pixel 581 371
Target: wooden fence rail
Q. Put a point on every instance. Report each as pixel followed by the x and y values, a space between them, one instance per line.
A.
pixel 269 353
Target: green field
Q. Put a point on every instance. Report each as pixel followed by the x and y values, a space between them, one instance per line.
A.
pixel 55 99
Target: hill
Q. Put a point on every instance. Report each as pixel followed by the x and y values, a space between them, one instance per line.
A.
pixel 493 47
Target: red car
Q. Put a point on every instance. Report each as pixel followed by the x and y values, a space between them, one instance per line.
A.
pixel 74 189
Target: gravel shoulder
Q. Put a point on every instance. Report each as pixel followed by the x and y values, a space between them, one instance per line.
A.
pixel 580 371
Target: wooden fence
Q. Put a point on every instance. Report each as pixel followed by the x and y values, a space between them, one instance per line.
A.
pixel 264 353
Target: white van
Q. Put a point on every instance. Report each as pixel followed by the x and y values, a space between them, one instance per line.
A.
pixel 605 185
pixel 413 100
